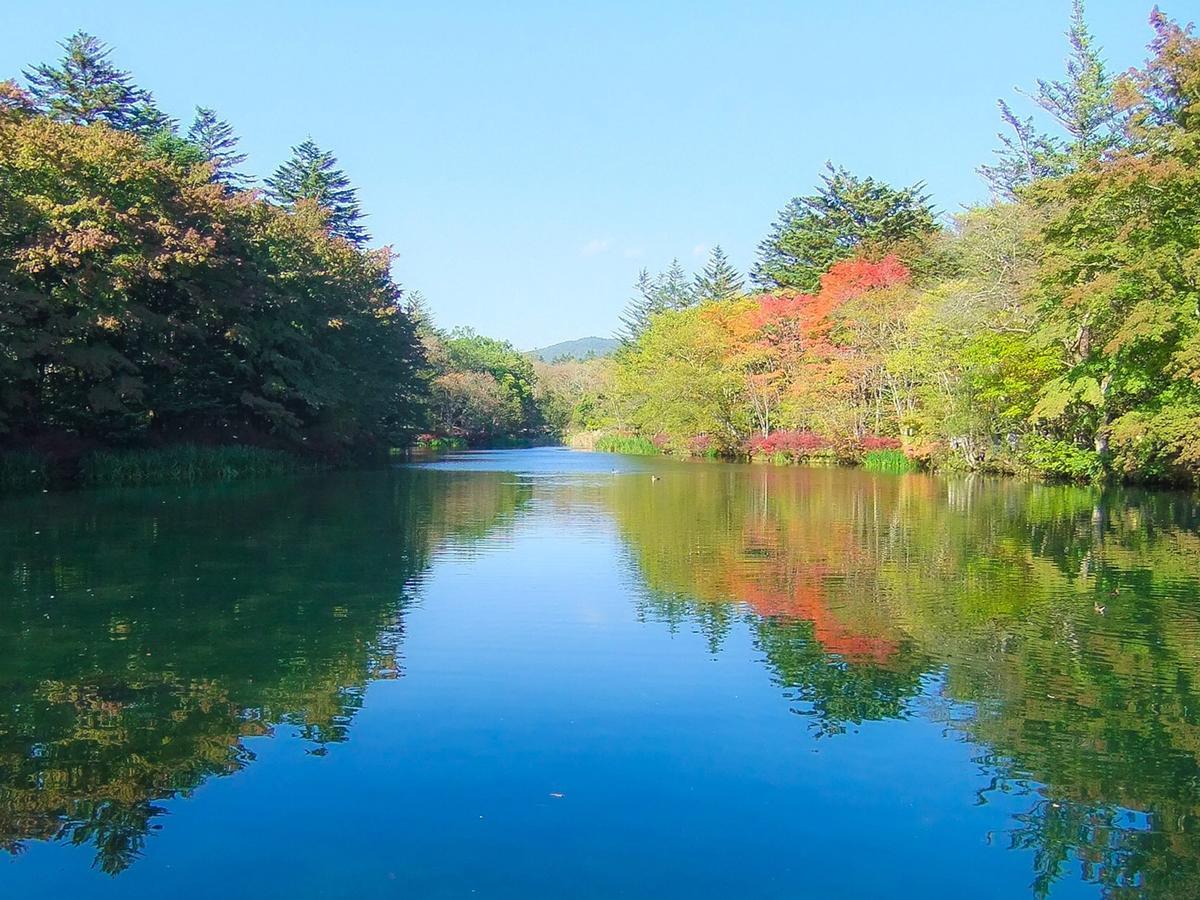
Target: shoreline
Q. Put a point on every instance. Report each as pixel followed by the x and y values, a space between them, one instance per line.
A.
pixel 27 471
pixel 914 467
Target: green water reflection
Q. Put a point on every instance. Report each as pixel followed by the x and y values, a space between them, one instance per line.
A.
pixel 146 635
pixel 1061 625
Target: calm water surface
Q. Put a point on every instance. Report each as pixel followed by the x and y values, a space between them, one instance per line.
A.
pixel 541 673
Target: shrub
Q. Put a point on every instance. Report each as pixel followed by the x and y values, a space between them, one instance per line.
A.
pixel 437 442
pixel 874 442
pixel 1060 459
pixel 787 445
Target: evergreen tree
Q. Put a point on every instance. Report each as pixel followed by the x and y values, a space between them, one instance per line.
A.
pixel 719 280
pixel 1024 156
pixel 416 307
pixel 1084 108
pixel 148 120
pixel 312 174
pixel 845 215
pixel 1082 103
pixel 674 288
pixel 671 289
pixel 87 88
pixel 215 139
pixel 638 312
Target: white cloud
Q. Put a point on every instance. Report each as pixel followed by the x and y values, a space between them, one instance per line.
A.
pixel 699 250
pixel 632 252
pixel 595 246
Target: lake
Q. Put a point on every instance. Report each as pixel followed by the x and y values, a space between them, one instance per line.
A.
pixel 547 673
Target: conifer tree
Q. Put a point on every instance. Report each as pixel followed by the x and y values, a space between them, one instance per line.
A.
pixel 1082 105
pixel 148 120
pixel 1024 156
pixel 846 214
pixel 719 280
pixel 419 312
pixel 674 288
pixel 671 289
pixel 636 316
pixel 87 88
pixel 312 174
pixel 215 139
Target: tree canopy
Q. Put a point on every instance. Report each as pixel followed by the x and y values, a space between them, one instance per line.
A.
pixel 86 88
pixel 217 143
pixel 1082 107
pixel 848 214
pixel 1052 331
pixel 312 174
pixel 142 301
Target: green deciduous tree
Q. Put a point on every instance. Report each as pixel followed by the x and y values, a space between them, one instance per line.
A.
pixel 483 388
pixel 673 380
pixel 140 302
pixel 1121 281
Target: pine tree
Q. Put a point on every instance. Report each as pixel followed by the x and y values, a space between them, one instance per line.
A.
pixel 674 288
pixel 1082 105
pixel 1024 156
pixel 671 289
pixel 88 88
pixel 312 174
pixel 644 304
pixel 216 140
pixel 846 214
pixel 719 280
pixel 419 312
pixel 148 120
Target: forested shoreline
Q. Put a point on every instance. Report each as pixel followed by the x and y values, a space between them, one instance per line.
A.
pixel 148 300
pixel 1054 331
pixel 158 304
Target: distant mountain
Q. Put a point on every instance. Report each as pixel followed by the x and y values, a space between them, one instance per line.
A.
pixel 580 349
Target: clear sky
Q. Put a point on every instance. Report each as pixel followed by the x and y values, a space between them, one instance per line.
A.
pixel 525 159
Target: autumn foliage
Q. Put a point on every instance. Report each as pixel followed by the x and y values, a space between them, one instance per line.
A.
pixel 1053 331
pixel 142 302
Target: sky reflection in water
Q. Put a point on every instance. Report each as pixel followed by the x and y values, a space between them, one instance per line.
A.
pixel 544 673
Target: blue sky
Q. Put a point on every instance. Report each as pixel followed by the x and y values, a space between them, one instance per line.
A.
pixel 525 159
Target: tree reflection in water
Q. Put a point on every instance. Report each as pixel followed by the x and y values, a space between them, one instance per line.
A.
pixel 1056 625
pixel 146 636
